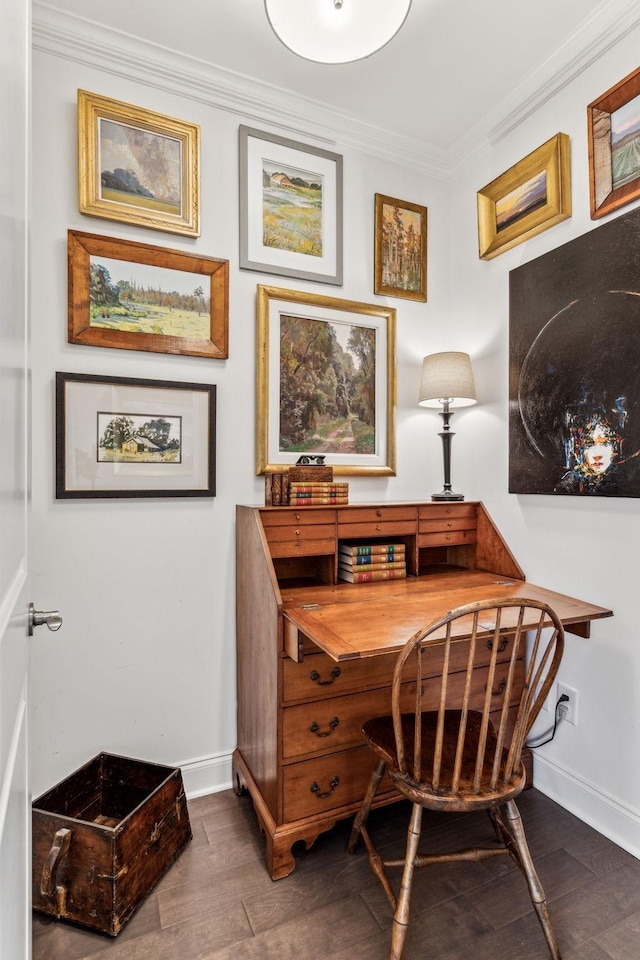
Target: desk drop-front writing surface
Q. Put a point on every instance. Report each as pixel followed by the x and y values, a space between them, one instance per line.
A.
pixel 316 654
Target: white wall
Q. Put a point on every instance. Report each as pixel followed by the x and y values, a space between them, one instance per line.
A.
pixel 585 547
pixel 144 664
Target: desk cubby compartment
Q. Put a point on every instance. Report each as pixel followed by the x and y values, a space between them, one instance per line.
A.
pixel 447 533
pixel 302 543
pixel 103 838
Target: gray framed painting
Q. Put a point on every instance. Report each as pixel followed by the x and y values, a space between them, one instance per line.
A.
pixel 290 208
pixel 574 357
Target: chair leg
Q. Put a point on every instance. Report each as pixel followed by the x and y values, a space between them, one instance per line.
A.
pixel 401 917
pixel 536 892
pixel 363 812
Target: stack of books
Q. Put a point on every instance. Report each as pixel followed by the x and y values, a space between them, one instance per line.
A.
pixel 305 493
pixel 364 562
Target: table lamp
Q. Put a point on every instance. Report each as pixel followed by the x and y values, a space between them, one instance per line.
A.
pixel 447 381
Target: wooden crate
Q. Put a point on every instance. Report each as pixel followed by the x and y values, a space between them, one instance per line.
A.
pixel 103 838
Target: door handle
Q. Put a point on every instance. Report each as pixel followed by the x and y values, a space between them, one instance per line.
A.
pixel 52 619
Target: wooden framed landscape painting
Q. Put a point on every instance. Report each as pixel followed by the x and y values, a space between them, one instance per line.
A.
pixel 137 166
pixel 613 122
pixel 136 296
pixel 400 251
pixel 125 437
pixel 290 208
pixel 533 195
pixel 326 382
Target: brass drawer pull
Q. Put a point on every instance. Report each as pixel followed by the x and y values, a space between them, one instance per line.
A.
pixel 500 690
pixel 316 789
pixel 315 728
pixel 315 676
pixel 504 643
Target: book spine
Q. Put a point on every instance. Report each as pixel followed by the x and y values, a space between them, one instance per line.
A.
pixel 312 487
pixel 295 501
pixel 366 550
pixel 368 576
pixel 276 489
pixel 302 494
pixel 371 558
pixel 285 489
pixel 359 566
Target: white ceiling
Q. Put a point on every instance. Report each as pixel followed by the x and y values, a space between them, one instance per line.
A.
pixel 451 64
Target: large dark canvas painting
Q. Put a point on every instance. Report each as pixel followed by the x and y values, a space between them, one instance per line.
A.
pixel 574 366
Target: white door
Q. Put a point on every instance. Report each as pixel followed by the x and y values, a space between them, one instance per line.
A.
pixel 15 854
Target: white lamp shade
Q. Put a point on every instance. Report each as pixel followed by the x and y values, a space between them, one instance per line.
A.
pixel 332 32
pixel 447 376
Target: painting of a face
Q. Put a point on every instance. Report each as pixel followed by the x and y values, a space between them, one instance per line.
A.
pixel 592 447
pixel 574 392
pixel 600 454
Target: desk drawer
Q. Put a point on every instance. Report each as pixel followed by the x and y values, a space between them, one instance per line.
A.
pixel 323 783
pixel 447 524
pixel 445 538
pixel 371 515
pixel 290 516
pixel 302 548
pixel 442 511
pixel 300 531
pixel 380 530
pixel 318 677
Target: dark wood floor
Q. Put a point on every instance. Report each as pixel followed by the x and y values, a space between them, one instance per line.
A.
pixel 217 901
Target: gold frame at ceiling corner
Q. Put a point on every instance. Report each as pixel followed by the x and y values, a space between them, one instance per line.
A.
pixel 553 158
pixel 603 198
pixel 379 286
pixel 265 295
pixel 92 108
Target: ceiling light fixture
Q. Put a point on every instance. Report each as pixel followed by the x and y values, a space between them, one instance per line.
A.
pixel 336 31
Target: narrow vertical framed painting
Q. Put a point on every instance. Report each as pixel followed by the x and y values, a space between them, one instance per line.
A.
pixel 290 208
pixel 613 128
pixel 574 356
pixel 137 166
pixel 400 251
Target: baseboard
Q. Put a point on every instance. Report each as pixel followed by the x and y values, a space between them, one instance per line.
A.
pixel 206 775
pixel 600 810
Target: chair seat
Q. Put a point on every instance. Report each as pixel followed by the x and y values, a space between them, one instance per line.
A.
pixel 380 736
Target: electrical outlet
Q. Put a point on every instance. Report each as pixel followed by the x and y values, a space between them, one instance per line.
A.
pixel 571 705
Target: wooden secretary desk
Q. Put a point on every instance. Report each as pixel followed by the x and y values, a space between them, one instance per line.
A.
pixel 315 655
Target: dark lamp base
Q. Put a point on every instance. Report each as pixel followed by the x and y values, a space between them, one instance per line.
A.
pixel 447 495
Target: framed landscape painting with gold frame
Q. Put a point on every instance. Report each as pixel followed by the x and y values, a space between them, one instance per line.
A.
pixel 400 254
pixel 613 122
pixel 533 195
pixel 136 296
pixel 325 382
pixel 137 166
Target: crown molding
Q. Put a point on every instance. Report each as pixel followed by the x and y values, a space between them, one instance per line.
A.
pixel 121 54
pixel 113 51
pixel 606 27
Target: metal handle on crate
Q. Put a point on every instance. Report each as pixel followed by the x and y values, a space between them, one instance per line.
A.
pixel 48 886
